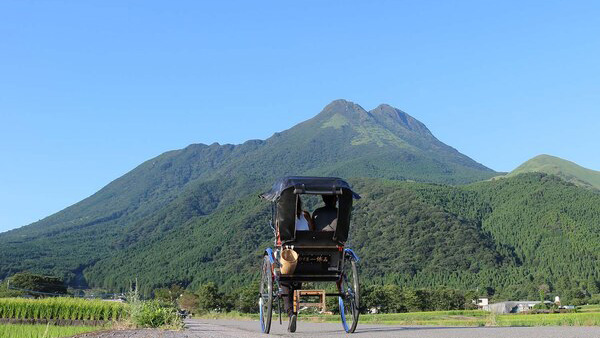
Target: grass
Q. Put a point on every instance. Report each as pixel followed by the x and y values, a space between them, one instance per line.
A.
pixel 378 136
pixel 589 308
pixel 62 309
pixel 437 318
pixel 233 315
pixel 554 319
pixel 337 121
pixel 43 331
pixel 446 318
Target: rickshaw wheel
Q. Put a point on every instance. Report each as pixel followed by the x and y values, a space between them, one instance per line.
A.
pixel 265 300
pixel 349 302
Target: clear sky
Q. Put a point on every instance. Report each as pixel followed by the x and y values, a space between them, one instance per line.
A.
pixel 90 89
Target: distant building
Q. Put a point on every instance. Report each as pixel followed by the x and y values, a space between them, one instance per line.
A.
pixel 512 306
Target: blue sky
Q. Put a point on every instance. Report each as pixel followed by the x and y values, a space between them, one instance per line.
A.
pixel 90 89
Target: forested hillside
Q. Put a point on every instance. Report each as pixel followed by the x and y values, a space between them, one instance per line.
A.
pixel 546 232
pixel 172 190
pixel 506 237
pixel 567 170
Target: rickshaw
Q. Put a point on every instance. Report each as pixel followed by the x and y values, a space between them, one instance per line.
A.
pixel 321 255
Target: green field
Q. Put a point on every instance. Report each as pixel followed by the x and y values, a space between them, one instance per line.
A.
pixel 43 331
pixel 449 318
pixel 555 319
pixel 480 318
pixel 62 309
pixel 442 318
pixel 589 308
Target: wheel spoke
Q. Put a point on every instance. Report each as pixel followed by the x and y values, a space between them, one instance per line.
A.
pixel 265 299
pixel 349 308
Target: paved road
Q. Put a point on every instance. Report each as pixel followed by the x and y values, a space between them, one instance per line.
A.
pixel 197 328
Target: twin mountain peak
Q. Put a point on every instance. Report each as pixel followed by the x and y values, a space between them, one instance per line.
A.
pixel 343 115
pixel 346 140
pixel 384 115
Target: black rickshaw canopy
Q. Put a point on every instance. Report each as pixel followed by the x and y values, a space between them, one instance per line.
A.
pixel 308 184
pixel 284 194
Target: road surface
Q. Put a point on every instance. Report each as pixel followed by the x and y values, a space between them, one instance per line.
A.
pixel 196 328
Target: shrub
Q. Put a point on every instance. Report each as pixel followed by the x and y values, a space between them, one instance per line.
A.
pixel 595 299
pixel 169 295
pixel 154 313
pixel 188 302
pixel 38 283
pixel 209 298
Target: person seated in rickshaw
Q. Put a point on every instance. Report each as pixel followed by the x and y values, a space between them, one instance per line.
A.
pixel 303 220
pixel 325 218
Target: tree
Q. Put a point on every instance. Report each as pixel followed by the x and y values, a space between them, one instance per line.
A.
pixel 246 299
pixel 169 295
pixel 447 299
pixel 380 298
pixel 38 285
pixel 592 286
pixel 6 292
pixel 209 298
pixel 543 289
pixel 574 296
pixel 188 301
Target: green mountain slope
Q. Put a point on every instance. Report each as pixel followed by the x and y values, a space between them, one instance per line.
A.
pixel 509 235
pixel 192 215
pixel 226 247
pixel 177 187
pixel 569 171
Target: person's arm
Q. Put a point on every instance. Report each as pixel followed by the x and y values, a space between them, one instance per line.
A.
pixel 311 224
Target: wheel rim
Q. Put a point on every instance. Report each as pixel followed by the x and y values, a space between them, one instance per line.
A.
pixel 347 317
pixel 265 299
pixel 349 301
pixel 262 318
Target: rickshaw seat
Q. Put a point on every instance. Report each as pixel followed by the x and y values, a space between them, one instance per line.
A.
pixel 322 239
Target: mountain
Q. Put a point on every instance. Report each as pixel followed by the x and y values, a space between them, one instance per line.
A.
pixel 569 171
pixel 175 188
pixel 191 215
pixel 509 236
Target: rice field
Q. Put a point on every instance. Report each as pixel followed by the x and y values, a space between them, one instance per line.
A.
pixel 437 318
pixel 42 331
pixel 589 308
pixel 480 318
pixel 62 309
pixel 448 318
pixel 553 319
